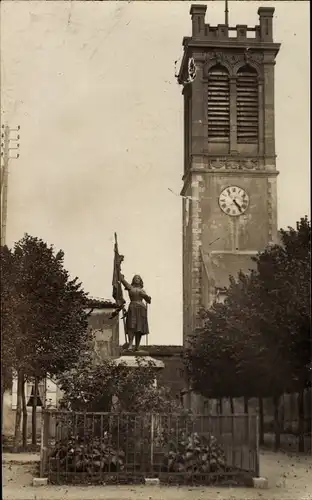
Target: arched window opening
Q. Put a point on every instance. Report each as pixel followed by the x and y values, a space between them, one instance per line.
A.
pixel 247 105
pixel 218 104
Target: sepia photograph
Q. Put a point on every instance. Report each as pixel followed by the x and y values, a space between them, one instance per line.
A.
pixel 155 250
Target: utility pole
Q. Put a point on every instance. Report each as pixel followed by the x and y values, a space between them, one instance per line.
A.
pixel 6 149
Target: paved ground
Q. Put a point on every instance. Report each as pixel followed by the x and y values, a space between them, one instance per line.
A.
pixel 290 478
pixel 20 458
pixel 289 443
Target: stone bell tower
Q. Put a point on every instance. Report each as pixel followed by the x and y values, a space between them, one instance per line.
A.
pixel 229 205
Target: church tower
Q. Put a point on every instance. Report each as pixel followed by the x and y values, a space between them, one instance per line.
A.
pixel 229 190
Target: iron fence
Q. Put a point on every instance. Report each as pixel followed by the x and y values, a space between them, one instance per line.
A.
pixel 123 448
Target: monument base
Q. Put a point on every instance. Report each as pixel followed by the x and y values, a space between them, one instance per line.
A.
pixel 135 359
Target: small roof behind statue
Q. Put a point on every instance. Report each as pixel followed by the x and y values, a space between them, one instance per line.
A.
pixel 100 303
pixel 136 361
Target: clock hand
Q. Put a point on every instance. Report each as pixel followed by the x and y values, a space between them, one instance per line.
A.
pixel 238 206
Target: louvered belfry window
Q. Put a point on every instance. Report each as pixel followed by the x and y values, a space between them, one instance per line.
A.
pixel 247 105
pixel 218 104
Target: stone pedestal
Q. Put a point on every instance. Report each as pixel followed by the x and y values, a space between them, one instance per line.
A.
pixel 135 359
pixel 138 358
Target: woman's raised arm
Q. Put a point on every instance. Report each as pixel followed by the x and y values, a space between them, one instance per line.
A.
pixel 125 283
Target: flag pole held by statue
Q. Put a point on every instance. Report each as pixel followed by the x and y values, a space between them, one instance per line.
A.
pixel 117 288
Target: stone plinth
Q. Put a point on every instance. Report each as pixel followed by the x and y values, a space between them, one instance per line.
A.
pixel 138 359
pixel 134 360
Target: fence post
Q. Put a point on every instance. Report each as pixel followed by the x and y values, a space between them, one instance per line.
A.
pixel 257 457
pixel 44 444
pixel 233 428
pixel 152 442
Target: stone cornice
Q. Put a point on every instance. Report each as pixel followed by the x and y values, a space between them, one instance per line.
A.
pixel 231 44
pixel 262 172
pixel 232 165
pixel 224 173
pixel 234 157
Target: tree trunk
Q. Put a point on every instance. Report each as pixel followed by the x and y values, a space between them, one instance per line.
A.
pixel 34 413
pixel 2 401
pixel 309 410
pixel 277 444
pixel 261 422
pixel 18 413
pixel 246 401
pixel 232 427
pixel 232 405
pixel 220 406
pixel 301 420
pixel 246 411
pixel 24 406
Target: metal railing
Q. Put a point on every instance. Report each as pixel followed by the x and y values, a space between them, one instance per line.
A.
pixel 123 448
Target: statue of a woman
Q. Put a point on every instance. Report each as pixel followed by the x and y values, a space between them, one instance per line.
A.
pixel 136 322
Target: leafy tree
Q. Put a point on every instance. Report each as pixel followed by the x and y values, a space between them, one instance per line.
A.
pixel 101 387
pixel 8 320
pixel 258 342
pixel 288 309
pixel 45 321
pixel 227 357
pixel 285 275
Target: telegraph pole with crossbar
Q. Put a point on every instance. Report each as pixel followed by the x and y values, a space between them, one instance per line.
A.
pixel 6 155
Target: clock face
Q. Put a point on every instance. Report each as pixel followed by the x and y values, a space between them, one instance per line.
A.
pixel 233 201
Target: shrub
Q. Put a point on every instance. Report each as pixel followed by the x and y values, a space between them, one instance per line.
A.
pixel 193 454
pixel 91 456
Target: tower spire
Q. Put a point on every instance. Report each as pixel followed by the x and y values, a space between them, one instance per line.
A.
pixel 226 13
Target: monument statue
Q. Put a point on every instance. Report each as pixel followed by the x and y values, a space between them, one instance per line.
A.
pixel 136 317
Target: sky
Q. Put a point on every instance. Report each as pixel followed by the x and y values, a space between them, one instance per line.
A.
pixel 92 86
